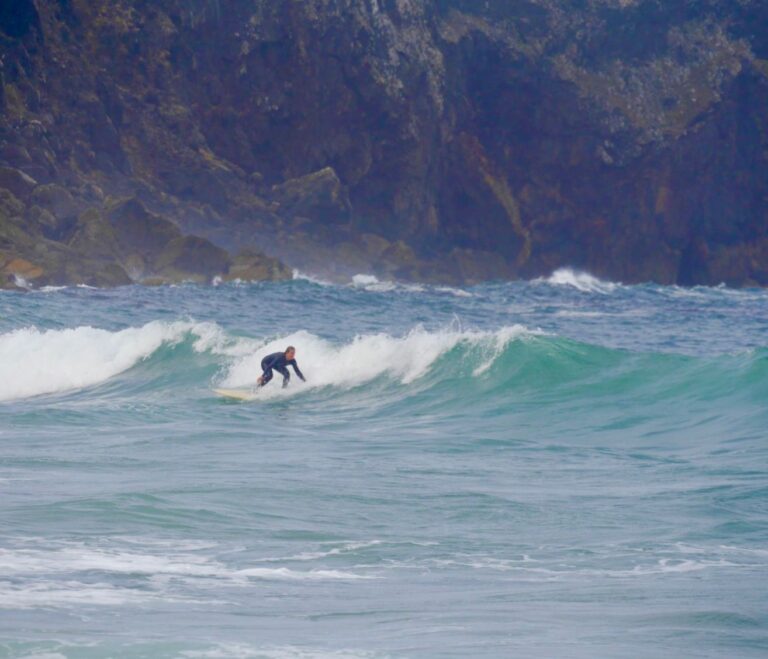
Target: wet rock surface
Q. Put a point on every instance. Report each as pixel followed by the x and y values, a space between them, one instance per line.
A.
pixel 446 140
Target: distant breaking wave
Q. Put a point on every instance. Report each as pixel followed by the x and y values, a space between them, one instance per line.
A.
pixel 581 281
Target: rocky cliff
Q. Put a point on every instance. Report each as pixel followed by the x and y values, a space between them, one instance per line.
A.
pixel 442 140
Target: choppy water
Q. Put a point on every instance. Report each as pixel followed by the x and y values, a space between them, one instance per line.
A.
pixel 564 467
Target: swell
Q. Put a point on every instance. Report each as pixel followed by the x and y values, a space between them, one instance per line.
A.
pixel 453 369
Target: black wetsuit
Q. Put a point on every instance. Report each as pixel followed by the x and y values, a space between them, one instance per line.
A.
pixel 279 362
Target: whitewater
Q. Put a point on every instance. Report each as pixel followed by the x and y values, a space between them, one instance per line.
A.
pixel 561 467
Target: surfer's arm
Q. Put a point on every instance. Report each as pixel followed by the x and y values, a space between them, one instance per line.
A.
pixel 298 371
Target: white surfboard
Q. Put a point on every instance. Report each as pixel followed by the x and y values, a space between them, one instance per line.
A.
pixel 237 394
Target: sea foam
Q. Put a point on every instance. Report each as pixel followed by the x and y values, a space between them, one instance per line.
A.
pixel 35 362
pixel 581 281
pixel 369 356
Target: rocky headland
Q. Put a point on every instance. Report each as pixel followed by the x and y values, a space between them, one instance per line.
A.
pixel 434 140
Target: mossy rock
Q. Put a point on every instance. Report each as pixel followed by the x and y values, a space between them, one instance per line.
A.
pixel 190 257
pixel 139 230
pixel 319 196
pixel 95 237
pixel 10 204
pixel 101 274
pixel 61 207
pixel 253 265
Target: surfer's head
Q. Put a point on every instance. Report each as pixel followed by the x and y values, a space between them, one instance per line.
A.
pixel 290 352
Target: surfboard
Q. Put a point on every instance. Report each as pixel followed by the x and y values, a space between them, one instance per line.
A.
pixel 237 394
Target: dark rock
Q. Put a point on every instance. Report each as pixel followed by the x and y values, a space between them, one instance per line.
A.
pixel 318 196
pixel 470 140
pixel 138 231
pixel 191 257
pixel 60 206
pixel 95 237
pixel 253 265
pixel 18 18
pixel 19 183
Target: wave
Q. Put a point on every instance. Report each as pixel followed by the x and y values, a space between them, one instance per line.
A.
pixel 35 362
pixel 460 367
pixel 298 275
pixel 581 281
pixel 374 284
pixel 372 356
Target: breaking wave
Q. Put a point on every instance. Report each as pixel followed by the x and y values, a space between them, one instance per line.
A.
pixel 581 281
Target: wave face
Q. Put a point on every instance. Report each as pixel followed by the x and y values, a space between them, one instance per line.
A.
pixel 461 467
pixel 34 361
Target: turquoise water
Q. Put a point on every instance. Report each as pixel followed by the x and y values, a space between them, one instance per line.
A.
pixel 565 467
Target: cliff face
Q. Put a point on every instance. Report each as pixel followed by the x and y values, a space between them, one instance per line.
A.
pixel 437 140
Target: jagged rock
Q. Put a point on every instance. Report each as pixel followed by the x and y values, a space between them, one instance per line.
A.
pixel 398 261
pixel 94 236
pixel 138 231
pixel 10 205
pixel 56 199
pixel 19 183
pixel 609 135
pixel 61 210
pixel 253 265
pixel 319 196
pixel 191 258
pixel 153 247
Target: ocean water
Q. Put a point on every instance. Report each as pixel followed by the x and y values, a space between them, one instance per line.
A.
pixel 558 468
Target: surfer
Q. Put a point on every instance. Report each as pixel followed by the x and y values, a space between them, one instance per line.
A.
pixel 279 361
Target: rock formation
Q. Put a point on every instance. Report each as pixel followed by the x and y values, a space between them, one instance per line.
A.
pixel 435 140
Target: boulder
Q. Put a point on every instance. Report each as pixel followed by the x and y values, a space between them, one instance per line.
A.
pixel 138 230
pixel 253 265
pixel 60 210
pixel 191 258
pixel 21 268
pixel 317 196
pixel 95 273
pixel 94 237
pixel 56 200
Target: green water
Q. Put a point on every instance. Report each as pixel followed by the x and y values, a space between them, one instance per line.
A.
pixel 564 467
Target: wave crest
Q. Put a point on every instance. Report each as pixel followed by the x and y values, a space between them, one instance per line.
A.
pixel 581 281
pixel 371 356
pixel 35 362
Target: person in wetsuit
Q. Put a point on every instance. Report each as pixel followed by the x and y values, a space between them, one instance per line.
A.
pixel 279 361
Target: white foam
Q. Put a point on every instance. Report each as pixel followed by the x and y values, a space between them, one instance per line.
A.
pixel 68 593
pixel 456 292
pixel 367 357
pixel 21 282
pixel 76 558
pixel 63 576
pixel 581 281
pixel 281 573
pixel 34 362
pixel 372 283
pixel 303 276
